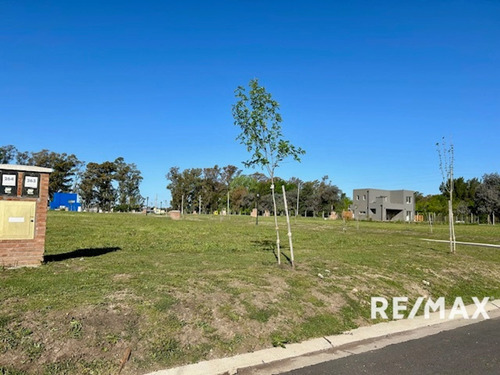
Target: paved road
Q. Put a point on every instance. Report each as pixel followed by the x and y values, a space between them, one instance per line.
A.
pixel 471 350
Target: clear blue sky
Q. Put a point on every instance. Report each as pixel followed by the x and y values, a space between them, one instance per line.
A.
pixel 366 87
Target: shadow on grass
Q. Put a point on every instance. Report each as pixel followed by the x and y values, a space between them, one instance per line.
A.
pixel 80 253
pixel 265 245
pixel 286 257
pixel 269 245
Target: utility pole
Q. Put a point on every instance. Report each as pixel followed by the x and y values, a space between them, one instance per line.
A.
pixel 147 205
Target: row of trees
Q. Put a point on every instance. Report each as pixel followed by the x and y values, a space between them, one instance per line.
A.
pixel 66 167
pixel 111 185
pixel 474 196
pixel 105 186
pixel 207 190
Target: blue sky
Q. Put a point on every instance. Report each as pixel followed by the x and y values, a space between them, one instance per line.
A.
pixel 366 88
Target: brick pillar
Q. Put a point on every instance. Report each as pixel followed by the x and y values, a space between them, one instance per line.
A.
pixel 27 252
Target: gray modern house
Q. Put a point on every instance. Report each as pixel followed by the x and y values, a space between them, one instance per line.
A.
pixel 383 205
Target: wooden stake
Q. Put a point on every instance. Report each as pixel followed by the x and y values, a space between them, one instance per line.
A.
pixel 278 250
pixel 289 229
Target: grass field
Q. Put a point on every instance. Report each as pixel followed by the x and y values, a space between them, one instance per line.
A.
pixel 176 292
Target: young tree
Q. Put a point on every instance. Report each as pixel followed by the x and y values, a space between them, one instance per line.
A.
pixel 446 164
pixel 257 114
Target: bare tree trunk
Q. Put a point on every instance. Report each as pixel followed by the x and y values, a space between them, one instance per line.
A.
pixel 289 229
pixel 452 228
pixel 276 224
pixel 430 221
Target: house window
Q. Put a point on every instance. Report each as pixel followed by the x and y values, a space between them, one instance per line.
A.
pixel 408 199
pixel 364 197
pixel 357 197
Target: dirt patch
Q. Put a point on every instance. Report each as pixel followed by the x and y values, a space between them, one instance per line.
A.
pixel 98 334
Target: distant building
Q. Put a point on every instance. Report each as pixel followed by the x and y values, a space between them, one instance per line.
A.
pixel 383 205
pixel 65 201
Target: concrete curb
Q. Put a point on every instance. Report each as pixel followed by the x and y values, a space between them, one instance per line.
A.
pixel 231 365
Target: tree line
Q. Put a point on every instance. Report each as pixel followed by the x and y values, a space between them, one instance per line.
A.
pixel 479 197
pixel 103 186
pixel 115 185
pixel 205 190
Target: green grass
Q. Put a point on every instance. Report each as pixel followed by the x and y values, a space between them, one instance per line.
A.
pixel 177 292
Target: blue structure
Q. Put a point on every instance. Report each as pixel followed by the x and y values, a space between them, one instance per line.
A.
pixel 65 201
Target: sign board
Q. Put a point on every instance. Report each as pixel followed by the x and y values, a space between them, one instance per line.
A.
pixel 8 181
pixel 31 185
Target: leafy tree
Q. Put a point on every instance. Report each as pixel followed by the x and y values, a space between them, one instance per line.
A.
pixel 129 179
pixel 65 168
pixel 464 192
pixel 7 154
pixel 345 202
pixel 328 195
pixel 96 187
pixel 436 203
pixel 462 210
pixel 293 192
pixel 310 198
pixel 211 188
pixel 488 196
pixel 248 182
pixel 239 196
pixel 257 114
pixel 184 187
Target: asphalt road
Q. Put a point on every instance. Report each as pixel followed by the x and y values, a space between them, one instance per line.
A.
pixel 471 350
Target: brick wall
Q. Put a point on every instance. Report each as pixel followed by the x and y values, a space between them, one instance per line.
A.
pixel 20 253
